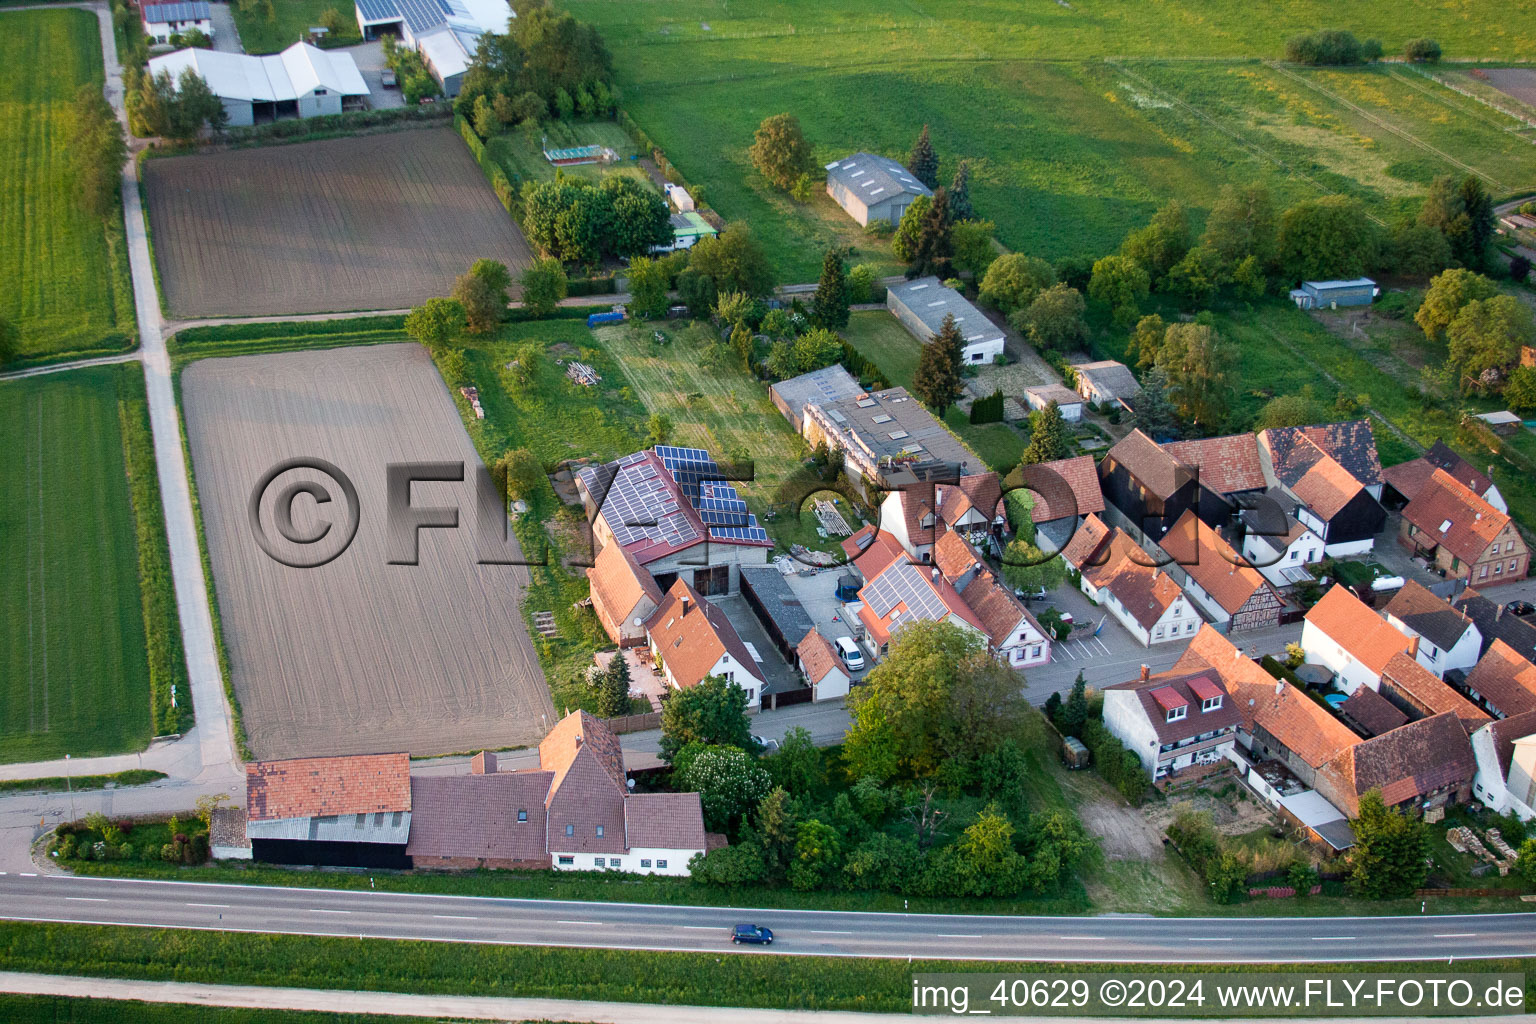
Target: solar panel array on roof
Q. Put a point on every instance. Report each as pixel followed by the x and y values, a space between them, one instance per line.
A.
pixel 719 506
pixel 904 584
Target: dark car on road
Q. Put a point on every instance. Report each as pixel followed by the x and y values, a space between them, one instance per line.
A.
pixel 1521 608
pixel 752 933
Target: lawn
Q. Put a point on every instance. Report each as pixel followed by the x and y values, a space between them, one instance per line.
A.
pixel 273 25
pixel 1069 147
pixel 64 1010
pixel 65 271
pixel 74 672
pixel 521 154
pixel 880 338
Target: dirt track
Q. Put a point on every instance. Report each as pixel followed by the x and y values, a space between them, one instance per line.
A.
pixel 356 655
pixel 372 222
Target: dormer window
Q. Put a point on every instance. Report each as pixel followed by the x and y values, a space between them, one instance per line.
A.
pixel 1210 704
pixel 522 814
pixel 1177 714
pixel 599 831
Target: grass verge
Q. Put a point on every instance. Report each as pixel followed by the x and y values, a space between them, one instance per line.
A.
pixel 81 783
pixel 66 1010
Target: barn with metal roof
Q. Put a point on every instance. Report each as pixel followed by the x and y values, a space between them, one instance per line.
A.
pixel 873 187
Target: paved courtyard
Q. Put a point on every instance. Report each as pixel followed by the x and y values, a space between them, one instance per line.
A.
pixel 818 595
pixel 370 61
pixel 779 675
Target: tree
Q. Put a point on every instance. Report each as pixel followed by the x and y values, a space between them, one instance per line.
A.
pixel 728 781
pixel 733 261
pixel 1486 338
pixel 1419 250
pixel 1195 361
pixel 797 766
pixel 1329 237
pixel 1328 46
pixel 960 193
pixel 1074 712
pixel 1388 860
pixel 1422 51
pixel 830 306
pixel 1013 281
pixel 937 379
pixel 972 243
pixel 648 281
pixel 1120 283
pixel 519 475
pixel 97 151
pixel 983 861
pixel 1196 277
pixel 523 369
pixel 1241 224
pixel 1445 211
pixel 1519 268
pixel 1054 321
pixel 436 322
pixel 904 241
pixel 658 429
pixel 613 688
pixel 697 292
pixel 1154 409
pixel 544 285
pixel 816 857
pixel 815 349
pixel 1526 863
pixel 1146 340
pixel 861 283
pixel 1160 245
pixel 779 150
pixel 905 716
pixel 640 219
pixel 1481 222
pixel 1448 292
pixel 482 307
pixel 932 252
pixel 923 161
pixel 1047 436
pixel 1520 392
pixel 1027 568
pixel 713 712
pixel 495 275
pixel 483 117
pixel 1288 411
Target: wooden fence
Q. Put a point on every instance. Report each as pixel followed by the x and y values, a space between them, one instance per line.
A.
pixel 634 723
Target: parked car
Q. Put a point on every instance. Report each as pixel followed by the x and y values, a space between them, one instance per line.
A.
pixel 853 658
pixel 753 933
pixel 1032 594
pixel 768 745
pixel 388 78
pixel 1520 608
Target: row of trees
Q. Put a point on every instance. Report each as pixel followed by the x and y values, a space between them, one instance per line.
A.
pixel 97 150
pixel 547 61
pixel 1335 47
pixel 175 109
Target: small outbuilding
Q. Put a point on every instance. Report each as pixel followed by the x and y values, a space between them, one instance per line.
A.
pixel 687 229
pixel 922 305
pixel 1068 401
pixel 1359 291
pixel 873 188
pixel 1106 381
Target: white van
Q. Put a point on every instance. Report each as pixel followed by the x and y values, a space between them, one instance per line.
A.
pixel 849 651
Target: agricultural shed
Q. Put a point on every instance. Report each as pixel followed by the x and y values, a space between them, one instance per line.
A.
pixel 445 32
pixel 819 387
pixel 922 305
pixel 1329 294
pixel 776 607
pixel 1105 381
pixel 161 21
pixel 350 811
pixel 302 81
pixel 1068 401
pixel 873 187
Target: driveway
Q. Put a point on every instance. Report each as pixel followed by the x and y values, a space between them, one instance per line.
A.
pixel 780 677
pixel 818 595
pixel 226 37
pixel 370 61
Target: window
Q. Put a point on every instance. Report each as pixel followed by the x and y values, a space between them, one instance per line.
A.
pixel 319 92
pixel 362 819
pixel 1158 632
pixel 1434 655
pixel 1512 565
pixel 1023 637
pixel 661 864
pixel 614 862
pixel 570 830
pixel 599 831
pixel 1177 714
pixel 1210 704
pixel 567 860
pixel 751 695
pixel 522 814
pixel 1483 573
pixel 1034 652
pixel 598 861
pixel 645 862
pixel 1498 569
pixel 1189 627
pixel 1295 555
pixel 1495 549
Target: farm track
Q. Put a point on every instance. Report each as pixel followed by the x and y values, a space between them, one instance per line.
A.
pixel 338 225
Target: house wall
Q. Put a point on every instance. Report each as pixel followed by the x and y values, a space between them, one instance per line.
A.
pixel 1024 647
pixel 241 113
pixel 330 854
pixel 1151 515
pixel 1490 568
pixel 621 628
pixel 893 520
pixel 1304 550
pixel 1355 295
pixel 161 31
pixel 727 666
pixel 850 202
pixel 1463 655
pixel 473 863
pixel 1324 650
pixel 316 104
pixel 833 685
pixel 629 861
pixel 690 560
pixel 1126 719
pixel 1266 747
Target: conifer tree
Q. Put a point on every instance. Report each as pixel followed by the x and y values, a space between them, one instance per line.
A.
pixel 924 162
pixel 937 380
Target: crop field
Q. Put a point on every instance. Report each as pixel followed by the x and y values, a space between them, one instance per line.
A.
pixel 356 655
pixel 369 222
pixel 65 271
pixel 278 24
pixel 1068 148
pixel 74 674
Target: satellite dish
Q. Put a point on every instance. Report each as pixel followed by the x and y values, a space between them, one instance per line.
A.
pixel 630 783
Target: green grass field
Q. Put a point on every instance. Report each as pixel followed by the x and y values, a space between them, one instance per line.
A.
pixel 880 338
pixel 1069 146
pixel 64 1010
pixel 74 673
pixel 521 154
pixel 290 22
pixel 65 272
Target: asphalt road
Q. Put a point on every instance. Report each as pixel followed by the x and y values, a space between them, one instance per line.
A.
pixel 373 914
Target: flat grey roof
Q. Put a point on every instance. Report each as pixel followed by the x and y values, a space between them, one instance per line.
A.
pixel 875 179
pixel 890 422
pixel 779 601
pixel 929 300
pixel 1358 282
pixel 829 384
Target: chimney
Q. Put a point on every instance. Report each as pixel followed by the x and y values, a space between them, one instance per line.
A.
pixel 484 763
pixel 1498 614
pixel 1146 673
pixel 578 741
pixel 683 604
pixel 935 573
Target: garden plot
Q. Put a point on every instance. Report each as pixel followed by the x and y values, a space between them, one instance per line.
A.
pixel 371 222
pixel 357 655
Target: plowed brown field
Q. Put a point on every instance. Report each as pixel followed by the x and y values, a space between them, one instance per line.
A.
pixel 357 655
pixel 372 222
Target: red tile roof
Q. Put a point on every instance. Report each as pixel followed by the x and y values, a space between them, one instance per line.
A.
pixel 620 587
pixel 1143 589
pixel 1372 712
pixel 912 589
pixel 1417 608
pixel 664 821
pixel 1505 680
pixel 1204 688
pixel 317 787
pixel 817 658
pixel 1351 444
pixel 1416 686
pixel 1072 488
pixel 1153 691
pixel 1405 764
pixel 1169 698
pixel 954 556
pixel 1087 546
pixel 1326 487
pixel 1409 478
pixel 476 815
pixel 1350 624
pixel 1440 455
pixel 1470 523
pixel 1157 470
pixel 1227 464
pixel 1210 561
pixel 872 549
pixel 692 635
